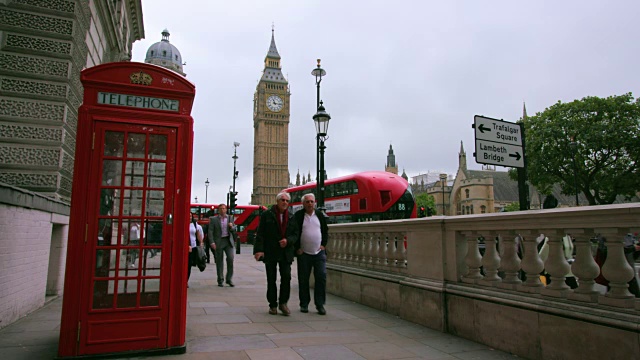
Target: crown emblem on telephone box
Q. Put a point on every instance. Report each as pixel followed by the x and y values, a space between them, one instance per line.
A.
pixel 141 78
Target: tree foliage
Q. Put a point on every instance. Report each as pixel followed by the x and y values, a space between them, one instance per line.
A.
pixel 515 206
pixel 593 142
pixel 427 201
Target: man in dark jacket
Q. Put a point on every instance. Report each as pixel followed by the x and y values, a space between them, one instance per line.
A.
pixel 275 239
pixel 310 249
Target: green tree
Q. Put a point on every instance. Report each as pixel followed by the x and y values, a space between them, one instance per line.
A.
pixel 515 206
pixel 426 200
pixel 600 137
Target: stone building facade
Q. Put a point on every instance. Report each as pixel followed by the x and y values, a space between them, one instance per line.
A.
pixel 270 131
pixel 44 46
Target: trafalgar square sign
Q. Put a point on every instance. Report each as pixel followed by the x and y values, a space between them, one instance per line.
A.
pixel 498 142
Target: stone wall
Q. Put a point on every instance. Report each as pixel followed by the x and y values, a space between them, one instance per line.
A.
pixel 431 271
pixel 33 238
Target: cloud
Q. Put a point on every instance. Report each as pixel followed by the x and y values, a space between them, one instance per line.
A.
pixel 408 73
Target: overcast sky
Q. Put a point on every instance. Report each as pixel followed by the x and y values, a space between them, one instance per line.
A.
pixel 407 73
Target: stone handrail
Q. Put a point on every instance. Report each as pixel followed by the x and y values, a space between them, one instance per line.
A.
pixel 446 249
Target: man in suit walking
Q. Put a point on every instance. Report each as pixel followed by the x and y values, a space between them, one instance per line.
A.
pixel 222 231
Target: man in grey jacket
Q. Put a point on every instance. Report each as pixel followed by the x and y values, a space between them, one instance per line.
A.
pixel 222 231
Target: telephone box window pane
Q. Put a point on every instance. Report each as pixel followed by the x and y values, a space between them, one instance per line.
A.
pixel 150 292
pixel 131 233
pixel 155 176
pixel 113 143
pixel 109 202
pixel 132 203
pixel 151 262
pixel 111 172
pixel 136 145
pixel 129 262
pixel 108 232
pixel 155 203
pixel 158 147
pixel 103 294
pixel 134 175
pixel 127 293
pixel 105 263
pixel 153 233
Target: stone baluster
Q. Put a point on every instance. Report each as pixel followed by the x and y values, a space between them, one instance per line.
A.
pixel 344 244
pixel 371 248
pixel 473 259
pixel 510 262
pixel 362 248
pixel 584 268
pixel 531 262
pixel 391 252
pixel 348 253
pixel 382 249
pixel 375 246
pixel 333 247
pixel 617 270
pixel 557 266
pixel 490 262
pixel 353 247
pixel 398 259
pixel 343 249
pixel 403 250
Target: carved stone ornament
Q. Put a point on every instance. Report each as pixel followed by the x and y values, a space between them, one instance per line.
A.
pixel 141 78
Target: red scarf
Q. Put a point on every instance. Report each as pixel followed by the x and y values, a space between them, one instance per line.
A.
pixel 282 223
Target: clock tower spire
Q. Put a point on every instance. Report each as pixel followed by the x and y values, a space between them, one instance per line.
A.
pixel 270 130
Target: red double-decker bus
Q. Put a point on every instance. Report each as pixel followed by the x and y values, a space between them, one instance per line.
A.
pixel 246 218
pixel 365 196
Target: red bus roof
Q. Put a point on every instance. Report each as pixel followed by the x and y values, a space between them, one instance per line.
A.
pixel 215 206
pixel 377 178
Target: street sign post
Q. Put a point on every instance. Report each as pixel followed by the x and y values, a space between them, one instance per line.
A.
pixel 501 143
pixel 498 142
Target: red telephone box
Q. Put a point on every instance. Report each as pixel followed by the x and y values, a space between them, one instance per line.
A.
pixel 126 272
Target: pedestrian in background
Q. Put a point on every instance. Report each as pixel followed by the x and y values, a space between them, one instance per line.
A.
pixel 195 239
pixel 311 253
pixel 222 231
pixel 275 240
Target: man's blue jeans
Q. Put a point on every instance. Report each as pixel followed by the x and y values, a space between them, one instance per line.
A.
pixel 318 263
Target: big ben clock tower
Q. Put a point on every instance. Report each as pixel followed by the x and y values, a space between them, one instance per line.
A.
pixel 270 131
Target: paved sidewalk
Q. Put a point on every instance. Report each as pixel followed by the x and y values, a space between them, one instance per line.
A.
pixel 233 323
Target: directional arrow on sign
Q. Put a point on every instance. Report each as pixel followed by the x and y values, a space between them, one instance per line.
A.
pixel 483 129
pixel 517 156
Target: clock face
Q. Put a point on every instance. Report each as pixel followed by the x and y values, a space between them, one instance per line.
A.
pixel 274 103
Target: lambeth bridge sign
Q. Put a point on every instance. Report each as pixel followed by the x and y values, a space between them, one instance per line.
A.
pixel 498 142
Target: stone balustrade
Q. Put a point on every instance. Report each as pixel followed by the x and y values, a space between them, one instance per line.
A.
pixel 436 272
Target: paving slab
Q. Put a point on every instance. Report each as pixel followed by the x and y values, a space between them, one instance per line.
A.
pixel 232 323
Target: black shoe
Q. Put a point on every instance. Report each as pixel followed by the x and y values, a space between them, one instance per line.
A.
pixel 304 309
pixel 230 283
pixel 321 310
pixel 220 284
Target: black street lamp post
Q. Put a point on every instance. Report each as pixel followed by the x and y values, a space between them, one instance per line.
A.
pixel 206 191
pixel 574 146
pixel 234 193
pixel 321 119
pixel 318 72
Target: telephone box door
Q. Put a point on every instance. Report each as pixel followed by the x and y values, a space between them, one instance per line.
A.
pixel 130 235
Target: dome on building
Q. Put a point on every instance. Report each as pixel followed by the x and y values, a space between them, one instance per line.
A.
pixel 164 54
